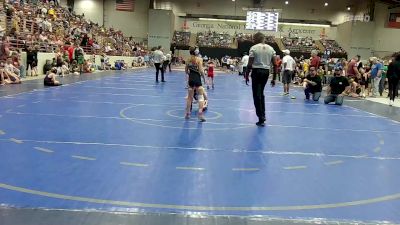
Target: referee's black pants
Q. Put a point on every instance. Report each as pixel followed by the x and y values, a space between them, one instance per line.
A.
pixel 159 68
pixel 259 78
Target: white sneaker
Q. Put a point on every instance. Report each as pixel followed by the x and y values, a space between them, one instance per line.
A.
pixel 391 103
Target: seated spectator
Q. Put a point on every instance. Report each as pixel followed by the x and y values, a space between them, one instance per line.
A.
pixel 17 62
pixel 10 68
pixel 312 85
pixel 75 67
pixel 8 77
pixel 47 66
pixel 50 78
pixel 337 88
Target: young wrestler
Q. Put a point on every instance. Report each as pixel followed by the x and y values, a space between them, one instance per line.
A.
pixel 194 70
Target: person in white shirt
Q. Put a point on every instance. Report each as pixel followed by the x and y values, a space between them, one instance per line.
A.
pixel 261 62
pixel 158 57
pixel 167 62
pixel 288 67
pixel 245 61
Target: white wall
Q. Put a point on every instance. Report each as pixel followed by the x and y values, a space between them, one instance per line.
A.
pixel 93 10
pixel 386 40
pixel 161 25
pixel 307 10
pixel 130 23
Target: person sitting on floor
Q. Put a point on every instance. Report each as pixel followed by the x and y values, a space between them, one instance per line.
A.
pixel 8 77
pixel 312 85
pixel 338 87
pixel 75 67
pixel 50 78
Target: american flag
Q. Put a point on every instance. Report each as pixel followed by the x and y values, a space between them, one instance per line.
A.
pixel 125 5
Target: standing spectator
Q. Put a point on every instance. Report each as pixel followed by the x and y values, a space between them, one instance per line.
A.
pixel 289 65
pixel 352 69
pixel 313 85
pixel 376 75
pixel 167 62
pixel 261 59
pixel 245 61
pixel 158 63
pixel 315 59
pixel 337 88
pixel 393 76
pixel 79 57
pixel 31 60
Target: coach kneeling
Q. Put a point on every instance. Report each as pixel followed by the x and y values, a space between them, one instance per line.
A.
pixel 339 85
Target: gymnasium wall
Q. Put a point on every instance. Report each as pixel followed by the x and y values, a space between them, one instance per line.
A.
pixel 131 23
pixel 386 40
pixel 93 10
pixel 369 38
pixel 314 10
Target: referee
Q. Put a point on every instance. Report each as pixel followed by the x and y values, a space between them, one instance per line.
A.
pixel 260 63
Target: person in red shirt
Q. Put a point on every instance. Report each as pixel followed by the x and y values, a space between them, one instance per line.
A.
pixel 315 59
pixel 210 75
pixel 71 52
pixel 352 70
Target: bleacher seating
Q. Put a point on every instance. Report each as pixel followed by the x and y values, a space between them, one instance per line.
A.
pixel 214 39
pixel 296 44
pixel 333 46
pixel 181 38
pixel 50 27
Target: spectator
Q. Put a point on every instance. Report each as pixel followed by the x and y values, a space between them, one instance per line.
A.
pixel 393 78
pixel 376 75
pixel 337 88
pixel 312 85
pixel 288 65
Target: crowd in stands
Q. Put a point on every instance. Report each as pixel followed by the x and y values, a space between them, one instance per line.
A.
pixel 44 26
pixel 181 38
pixel 214 39
pixel 249 37
pixel 332 46
pixel 297 44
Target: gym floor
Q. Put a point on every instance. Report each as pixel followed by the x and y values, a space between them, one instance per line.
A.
pixel 112 148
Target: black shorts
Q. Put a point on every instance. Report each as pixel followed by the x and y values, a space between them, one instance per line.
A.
pixel 32 64
pixel 194 83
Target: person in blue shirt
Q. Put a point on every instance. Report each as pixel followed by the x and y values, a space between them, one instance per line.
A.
pixel 117 65
pixel 376 75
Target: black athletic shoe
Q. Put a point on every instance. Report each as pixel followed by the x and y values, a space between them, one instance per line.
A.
pixel 260 123
pixel 163 81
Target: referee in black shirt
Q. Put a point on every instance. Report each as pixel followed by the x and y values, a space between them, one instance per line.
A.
pixel 261 61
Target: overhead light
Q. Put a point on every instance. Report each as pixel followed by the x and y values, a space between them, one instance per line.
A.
pixel 348 8
pixel 233 0
pixel 287 3
pixel 326 4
